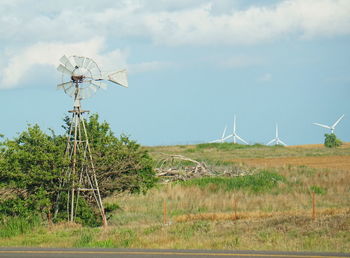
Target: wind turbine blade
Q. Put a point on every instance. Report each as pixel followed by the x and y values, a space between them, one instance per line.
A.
pixel 325 126
pixel 215 141
pixel 270 141
pixel 65 61
pixel 227 137
pixel 282 142
pixel 276 131
pixel 335 124
pixel 239 138
pixel 64 70
pixel 223 134
pixel 119 77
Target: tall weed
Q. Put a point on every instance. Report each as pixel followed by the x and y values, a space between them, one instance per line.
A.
pixel 13 226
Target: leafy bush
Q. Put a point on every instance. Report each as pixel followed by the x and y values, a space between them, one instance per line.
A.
pixel 32 165
pixel 259 182
pixel 331 141
pixel 121 164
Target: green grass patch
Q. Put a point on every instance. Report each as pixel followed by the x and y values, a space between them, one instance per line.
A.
pixel 259 182
pixel 84 240
pixel 125 238
pixel 226 146
pixel 318 190
pixel 13 226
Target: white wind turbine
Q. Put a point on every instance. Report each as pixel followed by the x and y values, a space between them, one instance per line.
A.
pixel 330 127
pixel 234 134
pixel 223 138
pixel 276 140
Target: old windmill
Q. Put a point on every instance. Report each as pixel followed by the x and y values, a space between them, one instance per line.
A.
pixel 81 78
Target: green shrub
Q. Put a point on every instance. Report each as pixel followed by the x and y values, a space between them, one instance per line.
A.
pixel 33 164
pixel 121 164
pixel 259 182
pixel 331 141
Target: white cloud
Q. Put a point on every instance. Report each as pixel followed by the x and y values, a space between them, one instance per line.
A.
pixel 87 29
pixel 195 22
pixel 49 53
pixel 294 18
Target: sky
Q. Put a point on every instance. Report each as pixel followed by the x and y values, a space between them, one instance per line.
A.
pixel 192 65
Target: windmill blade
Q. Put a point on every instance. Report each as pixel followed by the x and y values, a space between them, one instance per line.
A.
pixel 79 60
pixel 70 90
pixel 93 87
pixel 64 85
pixel 119 77
pixel 215 141
pixel 86 62
pixel 99 84
pixel 64 70
pixel 241 139
pixel 65 61
pixel 325 126
pixel 335 124
pixel 92 65
pixel 270 141
pixel 85 93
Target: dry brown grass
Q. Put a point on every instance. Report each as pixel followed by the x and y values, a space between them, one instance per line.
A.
pixel 318 146
pixel 204 218
pixel 259 215
pixel 329 162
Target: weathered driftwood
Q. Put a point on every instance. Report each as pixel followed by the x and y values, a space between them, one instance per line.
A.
pixel 171 168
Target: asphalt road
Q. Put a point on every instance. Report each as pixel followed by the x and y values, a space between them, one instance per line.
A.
pixel 146 253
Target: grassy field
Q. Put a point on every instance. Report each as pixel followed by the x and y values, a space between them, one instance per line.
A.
pixel 269 209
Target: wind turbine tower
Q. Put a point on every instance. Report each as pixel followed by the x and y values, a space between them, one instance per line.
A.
pixel 234 134
pixel 276 140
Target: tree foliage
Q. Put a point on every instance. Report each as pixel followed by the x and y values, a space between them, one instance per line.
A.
pixel 331 141
pixel 32 165
pixel 121 164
